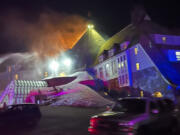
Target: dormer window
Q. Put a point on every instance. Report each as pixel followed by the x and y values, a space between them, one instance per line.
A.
pixel 111 52
pixel 124 45
pixel 101 58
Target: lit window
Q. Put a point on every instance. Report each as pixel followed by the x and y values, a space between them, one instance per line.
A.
pixel 107 70
pixel 119 65
pixel 137 66
pixel 164 39
pixel 107 65
pixel 16 76
pixel 178 56
pixel 136 51
pixel 141 93
pixel 125 63
pixel 177 53
pixel 45 74
pixel 122 64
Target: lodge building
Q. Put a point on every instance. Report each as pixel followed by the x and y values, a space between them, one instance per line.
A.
pixel 151 64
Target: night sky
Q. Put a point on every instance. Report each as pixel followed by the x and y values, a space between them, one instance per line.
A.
pixel 108 16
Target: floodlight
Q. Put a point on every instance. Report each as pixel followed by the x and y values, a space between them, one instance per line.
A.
pixel 90 26
pixel 54 65
pixel 67 62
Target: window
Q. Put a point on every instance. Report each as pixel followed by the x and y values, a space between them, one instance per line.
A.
pixel 178 56
pixel 121 58
pixel 123 79
pixel 101 58
pixel 174 55
pixel 16 76
pixel 111 52
pixel 124 57
pixel 136 50
pixel 164 39
pixel 107 67
pixel 122 67
pixel 45 74
pixel 119 65
pixel 137 66
pixel 126 78
pixel 124 45
pixel 122 64
pixel 101 73
pixel 125 63
pixel 118 60
pixel 114 69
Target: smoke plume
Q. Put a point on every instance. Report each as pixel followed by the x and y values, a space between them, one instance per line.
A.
pixel 48 34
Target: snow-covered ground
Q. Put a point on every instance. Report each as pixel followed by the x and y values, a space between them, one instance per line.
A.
pixel 76 94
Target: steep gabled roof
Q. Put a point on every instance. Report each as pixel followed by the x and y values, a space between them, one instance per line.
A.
pixel 86 49
pixel 129 33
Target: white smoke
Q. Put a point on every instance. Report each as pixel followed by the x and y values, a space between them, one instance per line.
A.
pixel 17 57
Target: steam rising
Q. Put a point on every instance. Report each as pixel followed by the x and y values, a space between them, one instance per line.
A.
pixel 18 57
pixel 44 36
pixel 48 34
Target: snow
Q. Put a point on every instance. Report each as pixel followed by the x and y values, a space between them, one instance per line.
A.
pixel 81 76
pixel 80 95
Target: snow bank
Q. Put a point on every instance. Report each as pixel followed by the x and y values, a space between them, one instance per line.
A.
pixel 83 75
pixel 80 95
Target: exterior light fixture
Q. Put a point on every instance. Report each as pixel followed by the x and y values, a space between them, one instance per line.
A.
pixel 67 62
pixel 54 66
pixel 90 26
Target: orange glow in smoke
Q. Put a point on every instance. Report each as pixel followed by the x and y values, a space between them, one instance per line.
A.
pixel 61 37
pixel 49 35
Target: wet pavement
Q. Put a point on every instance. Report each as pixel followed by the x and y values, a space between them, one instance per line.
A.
pixel 57 121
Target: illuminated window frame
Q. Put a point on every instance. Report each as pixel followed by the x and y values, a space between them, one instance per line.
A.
pixel 137 66
pixel 135 50
pixel 119 65
pixel 178 56
pixel 16 76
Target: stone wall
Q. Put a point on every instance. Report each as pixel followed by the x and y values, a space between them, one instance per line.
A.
pixel 150 80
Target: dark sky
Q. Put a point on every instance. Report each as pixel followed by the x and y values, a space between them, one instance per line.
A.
pixel 109 16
